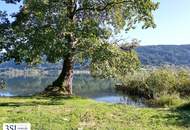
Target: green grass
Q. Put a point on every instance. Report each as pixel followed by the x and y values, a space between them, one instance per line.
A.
pixel 74 113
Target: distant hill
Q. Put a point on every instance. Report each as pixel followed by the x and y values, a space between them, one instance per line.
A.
pixel 149 55
pixel 11 64
pixel 164 54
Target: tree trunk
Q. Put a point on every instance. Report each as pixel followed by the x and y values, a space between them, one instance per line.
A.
pixel 64 81
pixel 63 84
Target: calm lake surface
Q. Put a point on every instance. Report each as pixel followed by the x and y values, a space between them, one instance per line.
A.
pixel 84 85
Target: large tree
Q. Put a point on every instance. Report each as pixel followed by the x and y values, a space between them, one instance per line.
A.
pixel 74 31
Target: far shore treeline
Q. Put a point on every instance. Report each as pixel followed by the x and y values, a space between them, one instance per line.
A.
pixel 157 55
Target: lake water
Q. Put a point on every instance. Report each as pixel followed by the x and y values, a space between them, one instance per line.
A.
pixel 84 85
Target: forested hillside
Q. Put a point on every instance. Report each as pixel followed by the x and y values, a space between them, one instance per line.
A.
pixel 164 54
pixel 149 55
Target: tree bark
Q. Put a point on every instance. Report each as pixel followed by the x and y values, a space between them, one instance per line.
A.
pixel 64 81
pixel 63 84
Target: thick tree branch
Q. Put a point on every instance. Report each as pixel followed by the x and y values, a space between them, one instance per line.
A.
pixel 102 8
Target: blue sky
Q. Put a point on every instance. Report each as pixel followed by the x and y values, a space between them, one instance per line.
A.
pixel 172 19
pixel 173 24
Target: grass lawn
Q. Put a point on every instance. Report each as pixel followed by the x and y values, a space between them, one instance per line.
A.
pixel 75 113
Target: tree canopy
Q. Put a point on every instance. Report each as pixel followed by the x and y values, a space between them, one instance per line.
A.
pixel 77 30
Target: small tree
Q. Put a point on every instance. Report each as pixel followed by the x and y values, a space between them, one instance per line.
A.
pixel 73 31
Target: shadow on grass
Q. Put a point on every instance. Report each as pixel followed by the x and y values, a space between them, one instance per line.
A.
pixel 34 101
pixel 183 115
pixel 179 116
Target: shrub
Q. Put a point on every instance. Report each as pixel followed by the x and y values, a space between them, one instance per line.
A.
pixel 165 85
pixel 161 81
pixel 183 82
pixel 166 101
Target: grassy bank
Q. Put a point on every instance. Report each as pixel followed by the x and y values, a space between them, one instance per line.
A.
pixel 163 86
pixel 75 113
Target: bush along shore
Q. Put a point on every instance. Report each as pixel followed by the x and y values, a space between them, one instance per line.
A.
pixel 164 86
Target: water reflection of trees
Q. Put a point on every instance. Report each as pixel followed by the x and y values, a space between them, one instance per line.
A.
pixel 84 85
pixel 25 86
